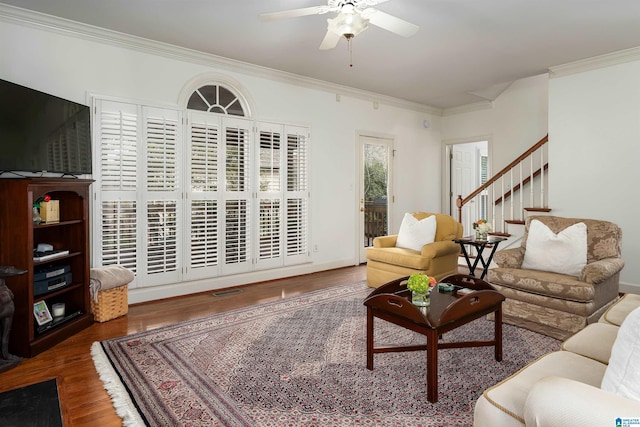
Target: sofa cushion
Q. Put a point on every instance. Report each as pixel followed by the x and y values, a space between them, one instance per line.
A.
pixel 595 342
pixel 580 308
pixel 406 258
pixel 564 253
pixel 543 283
pixel 623 373
pixel 414 233
pixel 616 314
pixel 509 396
pixel 560 402
pixel 552 322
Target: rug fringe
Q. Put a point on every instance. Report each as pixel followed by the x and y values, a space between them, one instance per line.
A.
pixel 119 396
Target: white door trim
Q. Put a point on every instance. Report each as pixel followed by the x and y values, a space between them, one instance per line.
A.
pixel 360 253
pixel 446 168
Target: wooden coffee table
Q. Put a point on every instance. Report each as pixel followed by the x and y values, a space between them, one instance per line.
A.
pixel 448 310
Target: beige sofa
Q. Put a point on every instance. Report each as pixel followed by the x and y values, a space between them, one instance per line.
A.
pixel 563 388
pixel 555 304
pixel 386 262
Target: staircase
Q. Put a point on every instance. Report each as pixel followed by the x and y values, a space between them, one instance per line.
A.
pixel 509 196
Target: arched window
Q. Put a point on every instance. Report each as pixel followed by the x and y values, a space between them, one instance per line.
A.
pixel 219 193
pixel 215 99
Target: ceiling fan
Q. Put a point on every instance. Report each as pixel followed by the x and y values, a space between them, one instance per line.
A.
pixel 353 17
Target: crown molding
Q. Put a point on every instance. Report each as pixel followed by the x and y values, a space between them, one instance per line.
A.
pixel 468 108
pixel 41 21
pixel 596 62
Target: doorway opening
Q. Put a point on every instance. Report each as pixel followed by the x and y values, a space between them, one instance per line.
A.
pixel 375 154
pixel 467 168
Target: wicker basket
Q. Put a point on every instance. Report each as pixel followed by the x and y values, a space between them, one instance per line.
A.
pixel 111 303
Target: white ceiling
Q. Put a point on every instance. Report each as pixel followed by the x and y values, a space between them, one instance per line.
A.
pixel 464 52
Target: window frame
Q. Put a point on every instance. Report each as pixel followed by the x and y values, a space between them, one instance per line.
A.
pixel 138 199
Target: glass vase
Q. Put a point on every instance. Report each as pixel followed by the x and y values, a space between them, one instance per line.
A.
pixel 37 219
pixel 481 235
pixel 420 299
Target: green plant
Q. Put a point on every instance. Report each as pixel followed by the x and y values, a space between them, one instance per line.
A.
pixel 40 200
pixel 375 179
pixel 421 283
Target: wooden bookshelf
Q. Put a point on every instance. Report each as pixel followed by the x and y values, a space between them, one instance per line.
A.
pixel 19 235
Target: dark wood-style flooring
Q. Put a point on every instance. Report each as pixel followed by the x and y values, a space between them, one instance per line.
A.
pixel 83 398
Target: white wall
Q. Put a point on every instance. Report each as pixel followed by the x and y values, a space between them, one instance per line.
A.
pixel 594 152
pixel 511 124
pixel 72 66
pixel 594 133
pixel 515 121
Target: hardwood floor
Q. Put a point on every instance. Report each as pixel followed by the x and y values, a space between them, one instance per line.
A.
pixel 83 399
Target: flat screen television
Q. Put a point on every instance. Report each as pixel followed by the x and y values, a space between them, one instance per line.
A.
pixel 43 133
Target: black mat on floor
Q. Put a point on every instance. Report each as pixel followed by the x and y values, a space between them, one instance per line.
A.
pixel 35 405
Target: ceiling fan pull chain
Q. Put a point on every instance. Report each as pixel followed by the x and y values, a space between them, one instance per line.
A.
pixel 350 51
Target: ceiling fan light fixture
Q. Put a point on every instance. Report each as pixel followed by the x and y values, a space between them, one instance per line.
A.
pixel 348 24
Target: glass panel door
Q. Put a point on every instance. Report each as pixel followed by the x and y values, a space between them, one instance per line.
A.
pixel 375 155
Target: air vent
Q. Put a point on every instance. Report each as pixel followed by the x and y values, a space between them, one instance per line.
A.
pixel 226 292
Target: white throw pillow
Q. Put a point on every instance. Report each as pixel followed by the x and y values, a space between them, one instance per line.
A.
pixel 565 252
pixel 622 375
pixel 415 234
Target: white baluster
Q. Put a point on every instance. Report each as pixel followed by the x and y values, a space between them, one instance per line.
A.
pixel 542 200
pixel 531 182
pixel 511 204
pixel 521 194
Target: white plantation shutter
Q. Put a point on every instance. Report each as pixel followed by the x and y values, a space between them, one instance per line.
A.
pixel 270 231
pixel 162 243
pixel 162 195
pixel 297 195
pixel 204 134
pixel 204 145
pixel 270 196
pixel 205 247
pixel 162 137
pixel 116 153
pixel 213 195
pixel 236 232
pixel 118 141
pixel 119 233
pixel 237 137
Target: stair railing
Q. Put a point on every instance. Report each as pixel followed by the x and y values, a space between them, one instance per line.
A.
pixel 528 172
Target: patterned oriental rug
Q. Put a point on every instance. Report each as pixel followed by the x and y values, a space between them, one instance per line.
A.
pixel 301 361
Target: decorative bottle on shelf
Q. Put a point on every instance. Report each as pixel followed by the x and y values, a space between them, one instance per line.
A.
pixel 37 219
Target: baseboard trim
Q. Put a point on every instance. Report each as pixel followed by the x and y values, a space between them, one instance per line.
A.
pixel 630 288
pixel 152 293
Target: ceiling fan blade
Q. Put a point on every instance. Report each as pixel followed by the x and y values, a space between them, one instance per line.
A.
pixel 370 3
pixel 390 22
pixel 330 40
pixel 294 13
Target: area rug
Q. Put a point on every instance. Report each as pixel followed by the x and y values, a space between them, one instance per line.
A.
pixel 301 362
pixel 35 405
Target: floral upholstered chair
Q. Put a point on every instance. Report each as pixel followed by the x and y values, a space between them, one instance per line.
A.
pixel 564 275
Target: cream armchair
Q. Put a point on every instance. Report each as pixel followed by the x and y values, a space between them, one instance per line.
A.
pixel 386 262
pixel 557 304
